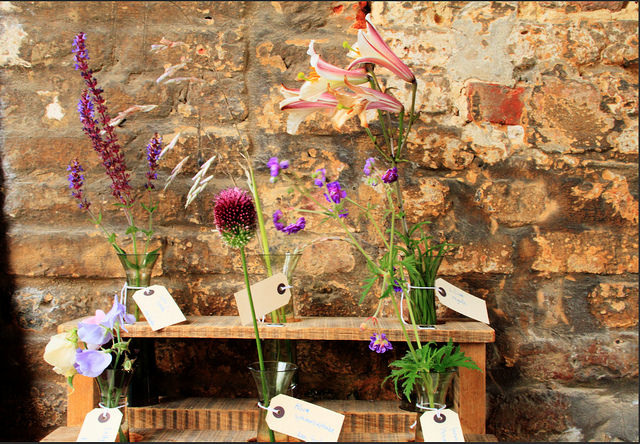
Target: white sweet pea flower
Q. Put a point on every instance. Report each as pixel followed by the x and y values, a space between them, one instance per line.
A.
pixel 60 352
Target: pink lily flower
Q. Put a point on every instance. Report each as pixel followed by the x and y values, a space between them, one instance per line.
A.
pixel 300 109
pixel 371 48
pixel 361 100
pixel 324 74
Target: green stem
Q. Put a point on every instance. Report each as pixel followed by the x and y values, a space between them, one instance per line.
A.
pixel 414 89
pixel 265 392
pixel 373 221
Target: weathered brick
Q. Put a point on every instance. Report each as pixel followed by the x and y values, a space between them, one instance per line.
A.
pixel 593 251
pixel 494 103
pixel 615 305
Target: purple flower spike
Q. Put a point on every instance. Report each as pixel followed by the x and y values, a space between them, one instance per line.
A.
pixel 291 228
pixel 368 165
pixel 320 176
pixel 379 343
pixel 76 182
pixel 235 216
pixel 154 148
pixel 391 175
pixel 336 194
pixel 275 166
pixel 91 363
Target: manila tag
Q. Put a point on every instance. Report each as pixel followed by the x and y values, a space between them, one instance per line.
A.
pixel 303 420
pixel 268 295
pixel 158 307
pixel 443 426
pixel 100 425
pixel 460 301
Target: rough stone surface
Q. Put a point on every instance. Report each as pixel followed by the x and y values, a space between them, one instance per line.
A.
pixel 525 154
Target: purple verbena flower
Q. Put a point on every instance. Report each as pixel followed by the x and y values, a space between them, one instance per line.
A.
pixel 91 363
pixel 291 228
pixel 154 148
pixel 336 194
pixel 368 165
pixel 275 166
pixel 235 216
pixel 76 182
pixel 92 106
pixel 320 176
pixel 379 343
pixel 391 175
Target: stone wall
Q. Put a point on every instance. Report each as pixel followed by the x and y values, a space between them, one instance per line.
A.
pixel 525 154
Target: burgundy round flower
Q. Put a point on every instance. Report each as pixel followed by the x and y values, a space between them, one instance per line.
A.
pixel 235 216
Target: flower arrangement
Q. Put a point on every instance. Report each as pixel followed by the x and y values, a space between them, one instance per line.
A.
pixel 411 258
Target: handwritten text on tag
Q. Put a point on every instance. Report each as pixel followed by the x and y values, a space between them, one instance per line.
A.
pixel 268 295
pixel 443 426
pixel 304 420
pixel 461 301
pixel 100 425
pixel 158 307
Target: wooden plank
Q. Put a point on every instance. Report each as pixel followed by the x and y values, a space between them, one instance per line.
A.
pixel 310 328
pixel 69 434
pixel 470 391
pixel 242 414
pixel 81 399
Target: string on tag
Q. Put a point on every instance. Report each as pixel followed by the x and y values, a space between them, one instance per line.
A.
pixel 101 405
pixel 270 409
pixel 413 425
pixel 420 327
pixel 123 292
pixel 438 409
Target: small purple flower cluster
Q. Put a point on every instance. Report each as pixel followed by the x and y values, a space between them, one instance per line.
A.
pixel 235 216
pixel 380 343
pixel 275 166
pixel 336 194
pixel 291 228
pixel 320 177
pixel 391 175
pixel 76 182
pixel 154 148
pixel 91 103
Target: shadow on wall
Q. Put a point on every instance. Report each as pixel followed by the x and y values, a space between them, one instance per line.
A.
pixel 15 376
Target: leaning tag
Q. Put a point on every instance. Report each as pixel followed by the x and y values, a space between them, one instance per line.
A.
pixel 441 426
pixel 460 301
pixel 100 425
pixel 268 295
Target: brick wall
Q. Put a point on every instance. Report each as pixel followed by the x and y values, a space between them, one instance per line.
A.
pixel 525 153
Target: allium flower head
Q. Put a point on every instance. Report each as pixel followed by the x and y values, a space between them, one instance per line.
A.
pixel 235 216
pixel 275 166
pixel 380 343
pixel 291 228
pixel 154 148
pixel 391 175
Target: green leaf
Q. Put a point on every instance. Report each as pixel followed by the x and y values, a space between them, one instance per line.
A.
pixel 132 229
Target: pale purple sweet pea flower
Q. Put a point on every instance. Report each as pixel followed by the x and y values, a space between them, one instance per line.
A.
pixel 275 166
pixel 91 363
pixel 336 194
pixel 391 175
pixel 118 314
pixel 94 335
pixel 380 343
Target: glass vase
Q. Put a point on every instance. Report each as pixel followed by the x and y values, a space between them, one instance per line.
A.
pixel 430 393
pixel 138 269
pixel 276 379
pixel 113 385
pixel 286 264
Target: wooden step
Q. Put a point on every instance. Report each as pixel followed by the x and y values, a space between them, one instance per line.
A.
pixel 242 414
pixel 69 434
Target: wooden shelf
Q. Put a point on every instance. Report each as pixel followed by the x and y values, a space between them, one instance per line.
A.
pixel 242 414
pixel 69 434
pixel 310 328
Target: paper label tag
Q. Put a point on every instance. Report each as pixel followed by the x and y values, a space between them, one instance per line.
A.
pixel 158 307
pixel 100 425
pixel 460 301
pixel 303 420
pixel 268 295
pixel 442 427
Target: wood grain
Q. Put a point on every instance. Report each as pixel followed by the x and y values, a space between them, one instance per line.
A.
pixel 69 434
pixel 310 328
